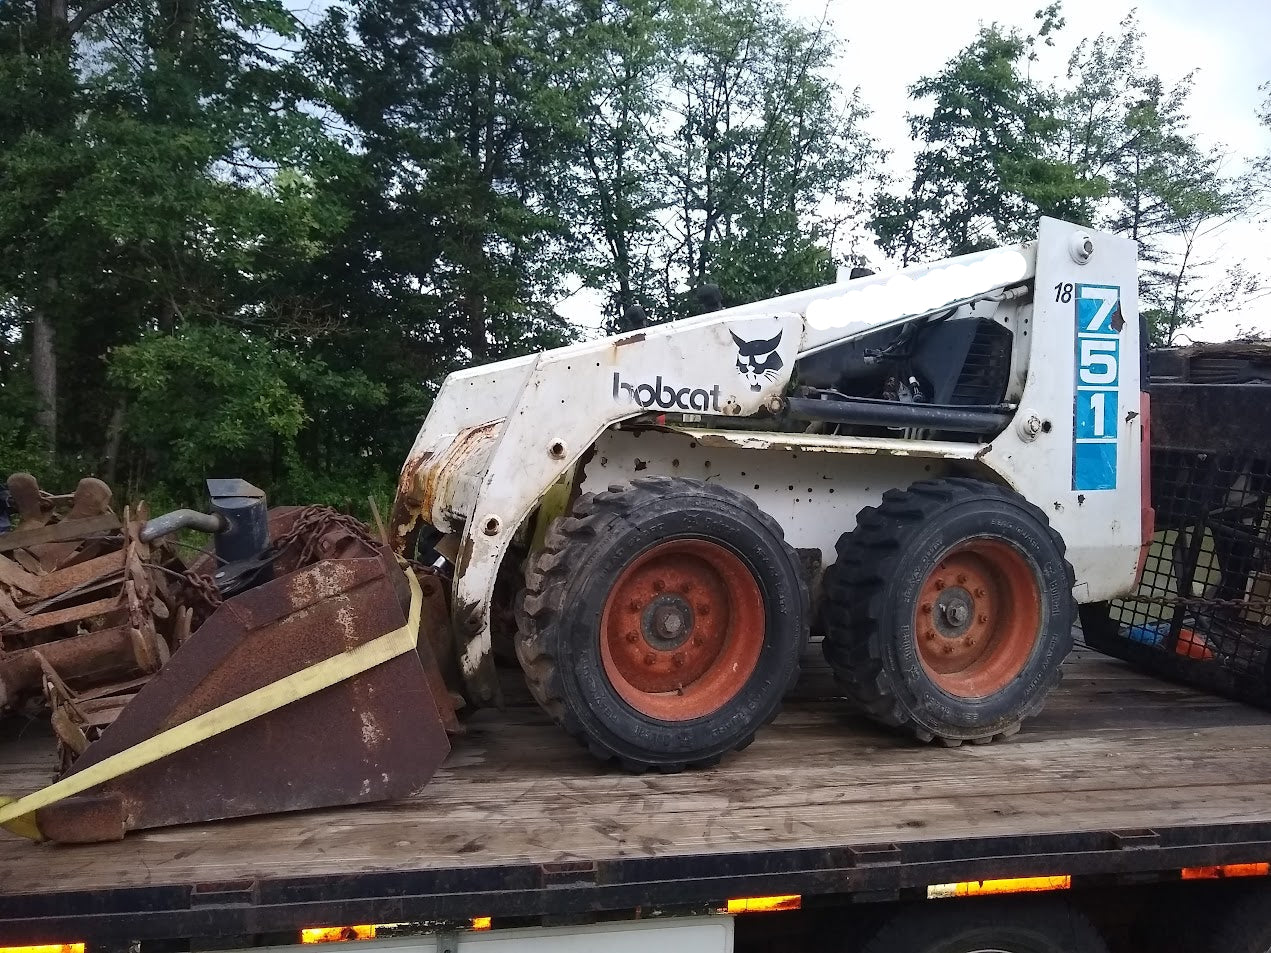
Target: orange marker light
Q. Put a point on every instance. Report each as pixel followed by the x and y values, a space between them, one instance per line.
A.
pixel 45 948
pixel 789 901
pixel 978 888
pixel 480 923
pixel 337 934
pixel 1226 870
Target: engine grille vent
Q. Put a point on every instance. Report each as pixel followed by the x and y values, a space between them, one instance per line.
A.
pixel 987 369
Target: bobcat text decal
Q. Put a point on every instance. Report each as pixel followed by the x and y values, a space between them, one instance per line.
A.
pixel 757 362
pixel 666 396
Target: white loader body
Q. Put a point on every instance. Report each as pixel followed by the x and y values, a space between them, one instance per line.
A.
pixel 498 437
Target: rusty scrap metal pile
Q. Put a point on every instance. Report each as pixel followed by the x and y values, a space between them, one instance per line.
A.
pixel 87 610
pixel 299 639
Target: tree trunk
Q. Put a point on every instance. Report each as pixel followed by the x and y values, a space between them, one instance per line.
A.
pixel 180 29
pixel 478 341
pixel 114 437
pixel 53 28
pixel 51 21
pixel 44 375
pixel 167 314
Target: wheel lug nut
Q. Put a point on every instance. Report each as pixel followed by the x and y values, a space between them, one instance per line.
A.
pixel 983 618
pixel 930 636
pixel 632 637
pixel 678 659
pixel 978 592
pixel 686 588
pixel 926 608
pixel 948 650
pixel 658 585
pixel 939 584
pixel 961 578
pixel 968 642
pixel 703 608
pixel 650 658
pixel 633 605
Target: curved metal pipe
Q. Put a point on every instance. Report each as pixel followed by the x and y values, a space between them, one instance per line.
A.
pixel 182 519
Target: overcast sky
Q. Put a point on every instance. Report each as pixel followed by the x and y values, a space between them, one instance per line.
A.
pixel 890 44
pixel 1228 43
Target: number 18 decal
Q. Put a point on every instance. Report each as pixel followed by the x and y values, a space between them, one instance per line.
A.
pixel 1094 449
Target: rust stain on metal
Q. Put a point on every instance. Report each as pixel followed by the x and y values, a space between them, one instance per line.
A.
pixel 421 483
pixel 62 580
pixel 407 502
pixel 47 620
pixel 89 610
pixel 87 658
pixel 326 580
pixel 467 444
pixel 465 554
pixel 630 339
pixel 984 451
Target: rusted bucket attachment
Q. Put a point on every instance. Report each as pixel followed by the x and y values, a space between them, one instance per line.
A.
pixel 310 690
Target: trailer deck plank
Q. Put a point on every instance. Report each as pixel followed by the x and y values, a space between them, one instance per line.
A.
pixel 1113 749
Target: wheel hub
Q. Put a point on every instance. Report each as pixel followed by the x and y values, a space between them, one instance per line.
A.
pixel 954 612
pixel 667 622
pixel 978 618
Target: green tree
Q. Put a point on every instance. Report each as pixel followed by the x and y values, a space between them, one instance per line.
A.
pixel 1260 174
pixel 464 127
pixel 248 244
pixel 758 139
pixel 986 167
pixel 144 149
pixel 623 53
pixel 1127 133
pixel 211 398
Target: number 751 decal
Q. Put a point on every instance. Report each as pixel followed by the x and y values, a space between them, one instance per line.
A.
pixel 1094 431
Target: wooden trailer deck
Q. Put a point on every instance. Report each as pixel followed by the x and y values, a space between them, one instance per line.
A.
pixel 1114 751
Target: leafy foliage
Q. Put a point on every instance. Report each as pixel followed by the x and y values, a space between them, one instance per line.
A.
pixel 1127 131
pixel 1110 146
pixel 985 171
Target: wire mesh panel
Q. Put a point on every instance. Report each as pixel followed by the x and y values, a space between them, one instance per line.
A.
pixel 1202 610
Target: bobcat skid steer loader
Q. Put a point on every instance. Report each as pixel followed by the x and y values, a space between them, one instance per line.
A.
pixel 927 468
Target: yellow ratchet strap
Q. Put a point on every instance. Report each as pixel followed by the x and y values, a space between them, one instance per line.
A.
pixel 18 815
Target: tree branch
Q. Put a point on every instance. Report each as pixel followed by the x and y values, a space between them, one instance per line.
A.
pixel 87 12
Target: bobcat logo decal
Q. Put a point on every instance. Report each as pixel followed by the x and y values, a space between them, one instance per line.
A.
pixel 758 360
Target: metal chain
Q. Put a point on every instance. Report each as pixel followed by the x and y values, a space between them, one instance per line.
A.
pixel 201 588
pixel 311 523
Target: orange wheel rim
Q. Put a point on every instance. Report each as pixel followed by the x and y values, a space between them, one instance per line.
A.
pixel 978 618
pixel 682 629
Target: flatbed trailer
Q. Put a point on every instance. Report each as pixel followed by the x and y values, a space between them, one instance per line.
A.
pixel 1122 780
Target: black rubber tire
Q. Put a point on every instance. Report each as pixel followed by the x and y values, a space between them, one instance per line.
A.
pixel 987 926
pixel 1244 926
pixel 873 586
pixel 566 585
